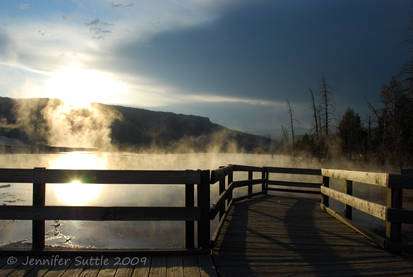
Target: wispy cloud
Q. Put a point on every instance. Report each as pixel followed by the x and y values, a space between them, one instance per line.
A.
pixel 24 6
pixel 121 5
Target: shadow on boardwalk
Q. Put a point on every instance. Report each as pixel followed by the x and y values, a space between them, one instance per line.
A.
pixel 281 236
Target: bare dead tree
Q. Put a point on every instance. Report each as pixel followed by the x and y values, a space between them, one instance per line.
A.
pixel 290 111
pixel 315 111
pixel 325 103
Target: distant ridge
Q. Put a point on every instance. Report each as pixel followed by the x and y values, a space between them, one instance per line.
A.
pixel 131 129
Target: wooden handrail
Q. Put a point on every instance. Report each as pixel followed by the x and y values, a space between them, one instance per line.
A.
pixel 393 213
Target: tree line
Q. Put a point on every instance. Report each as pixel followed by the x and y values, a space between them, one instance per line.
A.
pixel 385 139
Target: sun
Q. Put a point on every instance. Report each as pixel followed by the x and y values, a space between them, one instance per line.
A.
pixel 79 87
pixel 76 193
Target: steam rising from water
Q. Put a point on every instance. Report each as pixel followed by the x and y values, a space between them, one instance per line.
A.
pixel 63 124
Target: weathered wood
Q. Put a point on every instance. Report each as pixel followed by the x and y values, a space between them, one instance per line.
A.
pixel 285 236
pixel 220 173
pixel 250 182
pixel 220 224
pixel 297 189
pixel 101 176
pixel 247 196
pixel 294 184
pixel 219 203
pixel 371 208
pixel 98 213
pixel 379 240
pixel 189 224
pixel 400 216
pixel 287 170
pixel 221 190
pixel 393 229
pixel 247 182
pixel 229 182
pixel 348 212
pixel 246 168
pixel 326 183
pixel 39 200
pixel 203 190
pixel 264 182
pixel 373 178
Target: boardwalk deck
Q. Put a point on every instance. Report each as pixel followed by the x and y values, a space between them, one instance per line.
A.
pixel 281 236
pixel 171 265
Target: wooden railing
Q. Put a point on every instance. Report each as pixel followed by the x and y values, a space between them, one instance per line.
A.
pixel 39 212
pixel 203 212
pixel 392 213
pixel 225 177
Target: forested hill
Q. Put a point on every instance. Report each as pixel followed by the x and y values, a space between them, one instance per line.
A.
pixel 40 121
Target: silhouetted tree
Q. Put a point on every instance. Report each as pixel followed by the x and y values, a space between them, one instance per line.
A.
pixel 351 133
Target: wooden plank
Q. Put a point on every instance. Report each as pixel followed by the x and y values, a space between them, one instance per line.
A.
pixel 203 193
pixel 101 176
pixel 206 266
pixel 324 198
pixel 287 170
pixel 380 241
pixel 250 182
pixel 294 184
pixel 373 178
pixel 394 229
pixel 220 201
pixel 39 200
pixel 220 173
pixel 98 213
pixel 189 224
pixel 246 168
pixel 221 190
pixel 371 208
pixel 247 182
pixel 191 267
pixel 158 266
pixel 142 269
pixel 296 190
pixel 247 196
pixel 174 266
pixel 109 269
pixel 348 212
pixel 220 224
pixel 13 175
pixel 400 215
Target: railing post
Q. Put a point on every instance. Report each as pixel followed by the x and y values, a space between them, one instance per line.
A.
pixel 348 211
pixel 203 193
pixel 230 179
pixel 326 183
pixel 189 224
pixel 221 190
pixel 393 229
pixel 250 184
pixel 264 181
pixel 39 200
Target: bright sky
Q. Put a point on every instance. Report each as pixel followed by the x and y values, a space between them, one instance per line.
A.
pixel 236 62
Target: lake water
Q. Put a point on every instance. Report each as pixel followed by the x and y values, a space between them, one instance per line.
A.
pixel 122 234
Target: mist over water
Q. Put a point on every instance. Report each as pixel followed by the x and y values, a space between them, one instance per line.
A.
pixel 125 234
pixel 113 234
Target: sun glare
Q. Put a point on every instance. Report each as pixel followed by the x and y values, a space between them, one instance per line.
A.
pixel 79 87
pixel 76 193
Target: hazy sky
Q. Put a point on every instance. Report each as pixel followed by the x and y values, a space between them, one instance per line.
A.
pixel 236 62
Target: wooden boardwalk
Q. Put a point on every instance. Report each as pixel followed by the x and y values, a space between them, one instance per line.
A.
pixel 171 265
pixel 281 236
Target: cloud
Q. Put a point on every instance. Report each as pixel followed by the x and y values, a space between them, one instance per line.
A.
pixel 120 5
pixel 99 28
pixel 24 6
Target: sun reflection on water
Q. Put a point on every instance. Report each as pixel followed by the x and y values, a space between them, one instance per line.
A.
pixel 77 193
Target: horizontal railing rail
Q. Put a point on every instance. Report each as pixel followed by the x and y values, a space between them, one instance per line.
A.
pixel 38 212
pixel 203 212
pixel 392 213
